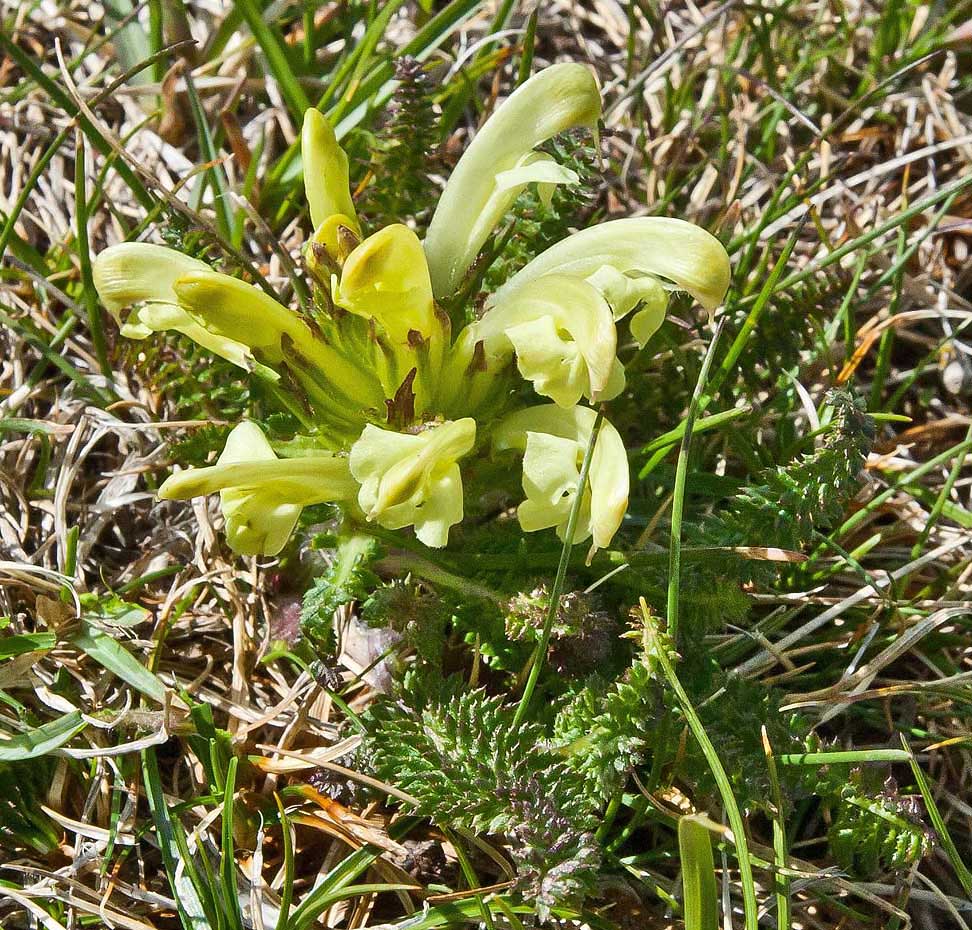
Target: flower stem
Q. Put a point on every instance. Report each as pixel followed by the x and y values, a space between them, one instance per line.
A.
pixel 536 662
pixel 678 495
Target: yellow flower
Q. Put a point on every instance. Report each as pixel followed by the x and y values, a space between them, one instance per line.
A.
pixel 413 480
pixel 618 256
pixel 553 442
pixel 376 347
pixel 143 275
pixel 261 496
pixel 235 320
pixel 386 279
pixel 501 162
pixel 563 334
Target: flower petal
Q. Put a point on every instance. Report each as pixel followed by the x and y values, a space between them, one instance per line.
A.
pixel 326 183
pixel 553 442
pixel 624 292
pixel 375 453
pixel 550 470
pixel 386 278
pixel 413 479
pixel 157 317
pixel 679 252
pixel 132 272
pixel 609 480
pixel 555 99
pixel 535 168
pixel 240 311
pixel 261 496
pixel 443 508
pixel 145 274
pixel 236 310
pixel 645 323
pixel 554 365
pixel 563 333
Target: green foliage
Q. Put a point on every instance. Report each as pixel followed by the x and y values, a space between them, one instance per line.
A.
pixel 402 152
pixel 458 754
pixel 212 746
pixel 466 766
pixel 734 720
pixel 23 789
pixel 112 610
pixel 414 610
pixel 349 578
pixel 873 834
pixel 790 502
pixel 710 599
pixel 789 328
pixel 606 729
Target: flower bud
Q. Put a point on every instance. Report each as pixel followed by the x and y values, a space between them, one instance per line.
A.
pixel 326 183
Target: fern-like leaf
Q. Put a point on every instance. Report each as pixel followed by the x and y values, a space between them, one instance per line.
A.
pixel 466 766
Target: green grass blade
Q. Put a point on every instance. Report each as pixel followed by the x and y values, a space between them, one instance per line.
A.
pixel 938 822
pixel 678 494
pixel 132 45
pixel 456 914
pixel 353 69
pixel 41 740
pixel 699 890
pixel 750 906
pixel 851 756
pixel 227 864
pixel 781 881
pixel 287 889
pixel 89 297
pixel 110 654
pixel 188 890
pixel 20 644
pixel 215 173
pixel 273 47
pixel 331 886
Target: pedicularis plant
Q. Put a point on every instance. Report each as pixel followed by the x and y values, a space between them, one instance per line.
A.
pixel 418 402
pixel 411 400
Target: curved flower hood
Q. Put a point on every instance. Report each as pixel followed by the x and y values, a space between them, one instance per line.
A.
pixel 685 255
pixel 501 161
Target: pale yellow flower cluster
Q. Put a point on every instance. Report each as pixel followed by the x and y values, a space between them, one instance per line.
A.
pixel 398 405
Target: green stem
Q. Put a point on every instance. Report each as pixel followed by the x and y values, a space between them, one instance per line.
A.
pixel 536 663
pixel 678 495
